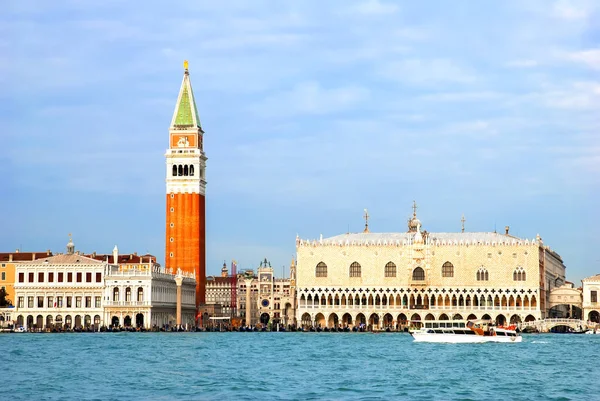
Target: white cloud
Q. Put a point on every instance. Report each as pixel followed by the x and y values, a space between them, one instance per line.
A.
pixel 571 11
pixel 525 63
pixel 375 7
pixel 426 71
pixel 590 57
pixel 311 98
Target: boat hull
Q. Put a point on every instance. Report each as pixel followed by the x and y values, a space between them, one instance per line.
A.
pixel 462 338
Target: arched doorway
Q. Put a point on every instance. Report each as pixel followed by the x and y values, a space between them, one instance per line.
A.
pixel 457 316
pixel 68 322
pixel 29 321
pixel 97 321
pixel 429 316
pixel 471 317
pixel 415 320
pixel 87 321
pixel 264 318
pixel 20 320
pixel 443 316
pixel 530 318
pixel 388 321
pixel 594 316
pixel 320 320
pixel 139 320
pixel 114 322
pixel 347 319
pixel 374 321
pixel 127 321
pixel 361 320
pixel 500 320
pixel 77 321
pixel 58 321
pixel 39 321
pixel 306 320
pixel 333 321
pixel 515 319
pixel 49 321
pixel 486 317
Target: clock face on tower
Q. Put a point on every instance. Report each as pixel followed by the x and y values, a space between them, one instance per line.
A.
pixel 265 303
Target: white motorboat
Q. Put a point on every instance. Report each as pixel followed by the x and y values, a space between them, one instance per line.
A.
pixel 473 331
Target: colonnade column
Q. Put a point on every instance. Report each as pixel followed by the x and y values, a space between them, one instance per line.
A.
pixel 248 302
pixel 179 281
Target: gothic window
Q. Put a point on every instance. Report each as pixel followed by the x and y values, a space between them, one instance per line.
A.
pixel 519 274
pixel 192 170
pixel 355 269
pixel 180 170
pixel 115 294
pixel 418 274
pixel 128 294
pixel 185 170
pixel 140 294
pixel 174 170
pixel 321 270
pixel 447 270
pixel 390 269
pixel 482 274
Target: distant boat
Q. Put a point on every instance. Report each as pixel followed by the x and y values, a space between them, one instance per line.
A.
pixel 474 331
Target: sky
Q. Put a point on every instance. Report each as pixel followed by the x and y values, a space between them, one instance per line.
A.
pixel 313 111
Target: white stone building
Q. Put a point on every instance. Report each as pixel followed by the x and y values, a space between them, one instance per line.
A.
pixel 62 290
pixel 591 306
pixel 147 297
pixel 388 280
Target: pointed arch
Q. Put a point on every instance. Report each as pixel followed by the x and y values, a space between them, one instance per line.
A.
pixel 191 170
pixel 448 269
pixel 418 274
pixel 355 269
pixel 321 270
pixel 390 269
pixel 185 170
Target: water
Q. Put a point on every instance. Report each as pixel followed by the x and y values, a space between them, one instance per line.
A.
pixel 295 366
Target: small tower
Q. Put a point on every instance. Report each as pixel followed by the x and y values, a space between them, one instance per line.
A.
pixel 70 246
pixel 224 271
pixel 115 255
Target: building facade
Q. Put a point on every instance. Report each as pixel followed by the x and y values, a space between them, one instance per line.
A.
pixel 186 188
pixel 591 306
pixel 7 269
pixel 392 280
pixel 147 297
pixel 61 290
pixel 260 297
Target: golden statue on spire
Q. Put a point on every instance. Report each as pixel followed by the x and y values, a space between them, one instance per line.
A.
pixel 185 65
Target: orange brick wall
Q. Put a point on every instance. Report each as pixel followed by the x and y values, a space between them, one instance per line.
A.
pixel 188 247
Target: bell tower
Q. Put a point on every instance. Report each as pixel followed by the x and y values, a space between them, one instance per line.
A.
pixel 186 189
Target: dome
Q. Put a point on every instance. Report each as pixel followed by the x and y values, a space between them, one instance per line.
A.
pixel 414 223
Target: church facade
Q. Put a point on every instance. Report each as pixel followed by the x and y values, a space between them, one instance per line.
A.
pixel 395 280
pixel 186 189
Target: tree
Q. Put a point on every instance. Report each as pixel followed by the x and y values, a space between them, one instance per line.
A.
pixel 3 301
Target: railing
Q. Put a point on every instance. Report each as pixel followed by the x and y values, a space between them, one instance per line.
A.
pixel 127 303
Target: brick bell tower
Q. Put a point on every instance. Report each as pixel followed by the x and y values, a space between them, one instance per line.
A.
pixel 186 189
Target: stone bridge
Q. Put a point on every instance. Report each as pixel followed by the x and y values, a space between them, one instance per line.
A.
pixel 545 325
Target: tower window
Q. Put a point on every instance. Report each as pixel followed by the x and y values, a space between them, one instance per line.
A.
pixel 192 170
pixel 171 239
pixel 185 170
pixel 174 170
pixel 171 254
pixel 180 170
pixel 171 225
pixel 172 209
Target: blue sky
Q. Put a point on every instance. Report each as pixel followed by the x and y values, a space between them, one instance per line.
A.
pixel 313 111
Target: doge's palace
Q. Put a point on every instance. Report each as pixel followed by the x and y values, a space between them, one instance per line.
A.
pixel 392 280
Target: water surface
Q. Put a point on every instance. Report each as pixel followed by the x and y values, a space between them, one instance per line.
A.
pixel 295 366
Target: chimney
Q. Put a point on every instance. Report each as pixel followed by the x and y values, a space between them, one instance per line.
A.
pixel 47 252
pixel 135 254
pixel 10 257
pixel 33 256
pixel 17 250
pixel 94 255
pixel 506 228
pixel 116 255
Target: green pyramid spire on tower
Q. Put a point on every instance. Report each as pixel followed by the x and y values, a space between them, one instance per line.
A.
pixel 186 113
